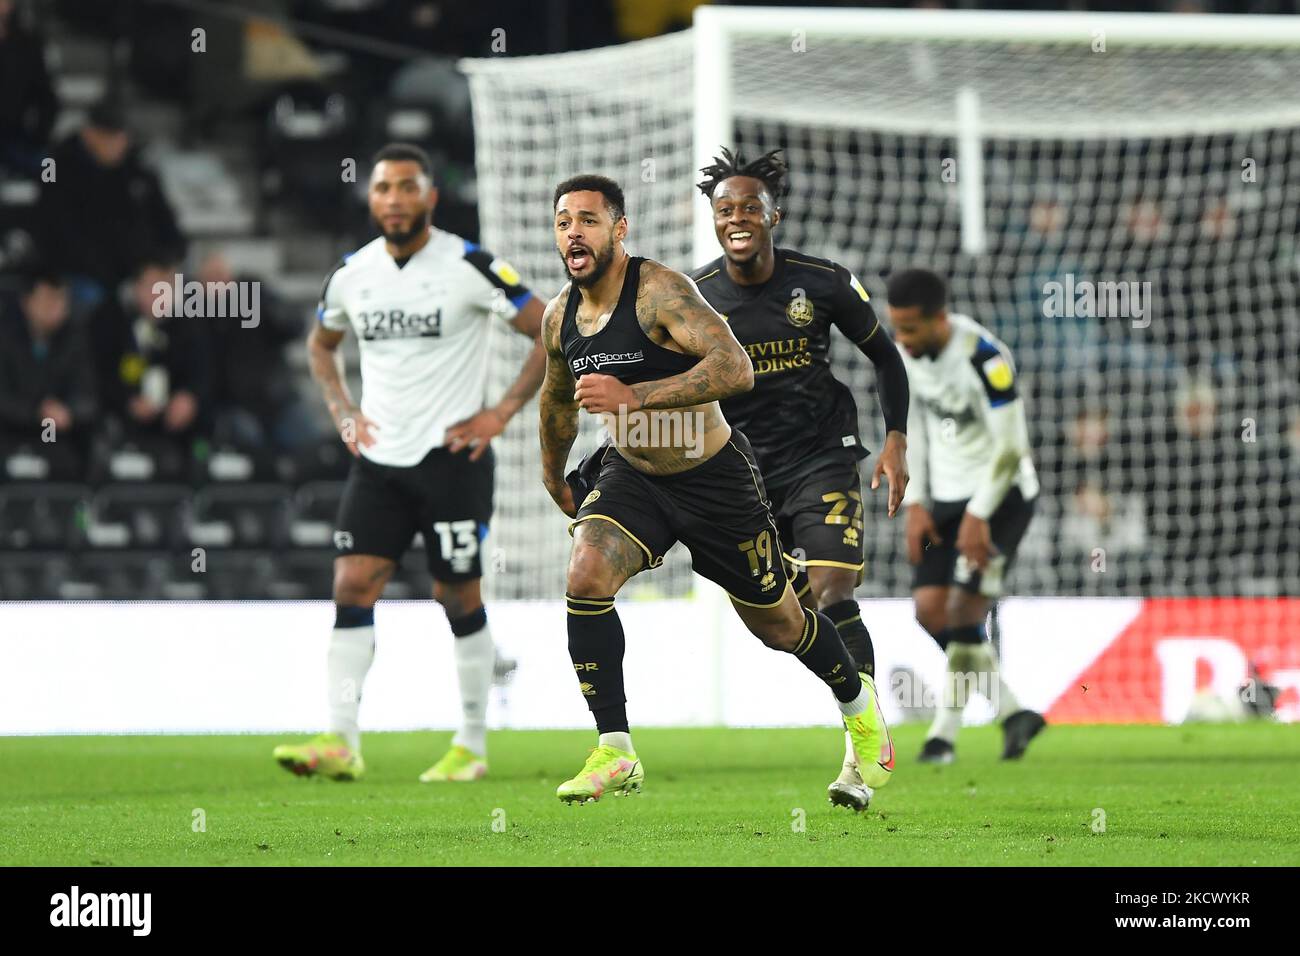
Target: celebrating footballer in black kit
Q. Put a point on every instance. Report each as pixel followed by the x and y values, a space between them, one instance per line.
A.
pixel 803 422
pixel 632 341
pixel 421 302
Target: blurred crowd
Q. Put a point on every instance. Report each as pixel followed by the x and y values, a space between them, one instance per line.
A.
pixel 81 379
pixel 1145 448
pixel 93 357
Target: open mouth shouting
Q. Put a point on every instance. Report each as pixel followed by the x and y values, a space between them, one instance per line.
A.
pixel 577 258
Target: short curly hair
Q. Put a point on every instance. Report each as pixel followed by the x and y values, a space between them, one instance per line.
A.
pixel 769 169
pixel 591 182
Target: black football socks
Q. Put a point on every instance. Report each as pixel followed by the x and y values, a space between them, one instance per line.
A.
pixel 821 650
pixel 596 646
pixel 847 618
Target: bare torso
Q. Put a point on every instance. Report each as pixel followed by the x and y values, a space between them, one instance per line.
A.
pixel 658 441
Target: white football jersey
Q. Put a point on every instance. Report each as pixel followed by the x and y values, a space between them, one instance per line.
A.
pixel 967 437
pixel 423 332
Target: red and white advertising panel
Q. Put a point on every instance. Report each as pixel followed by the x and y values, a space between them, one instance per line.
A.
pixel 82 667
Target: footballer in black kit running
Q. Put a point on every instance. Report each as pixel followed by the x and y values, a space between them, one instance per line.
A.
pixel 803 422
pixel 632 341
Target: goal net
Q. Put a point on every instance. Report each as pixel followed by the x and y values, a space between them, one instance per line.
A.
pixel 1114 196
pixel 624 112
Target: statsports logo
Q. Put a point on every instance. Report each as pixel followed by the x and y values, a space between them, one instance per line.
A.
pixel 599 360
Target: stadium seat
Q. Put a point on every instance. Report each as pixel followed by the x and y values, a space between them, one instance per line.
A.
pixel 32 575
pixel 305 575
pixel 304 122
pixel 241 575
pixel 152 576
pixel 136 516
pixel 238 516
pixel 327 461
pixel 36 517
pixel 178 576
pixel 315 508
pixel 18 196
pixel 128 576
pixel 35 461
pixel 148 460
pixel 231 465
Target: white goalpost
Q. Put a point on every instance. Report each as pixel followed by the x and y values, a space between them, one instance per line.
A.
pixel 1036 159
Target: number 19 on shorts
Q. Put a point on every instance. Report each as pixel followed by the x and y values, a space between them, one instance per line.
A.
pixel 760 552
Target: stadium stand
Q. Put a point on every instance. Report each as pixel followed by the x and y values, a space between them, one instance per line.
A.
pixel 236 183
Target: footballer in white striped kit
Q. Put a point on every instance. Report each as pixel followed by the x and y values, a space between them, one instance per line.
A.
pixel 970 499
pixel 421 302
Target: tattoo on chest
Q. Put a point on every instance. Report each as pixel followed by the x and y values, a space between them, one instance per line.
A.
pixel 647 316
pixel 589 324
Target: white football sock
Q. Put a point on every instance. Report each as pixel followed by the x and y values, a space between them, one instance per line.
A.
pixel 350 653
pixel 475 656
pixel 947 721
pixel 858 704
pixel 619 740
pixel 985 660
pixel 953 696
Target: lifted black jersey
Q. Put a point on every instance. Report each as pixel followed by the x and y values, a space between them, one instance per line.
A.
pixel 797 410
pixel 621 348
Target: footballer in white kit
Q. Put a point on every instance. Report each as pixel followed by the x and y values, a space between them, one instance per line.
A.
pixel 970 499
pixel 421 303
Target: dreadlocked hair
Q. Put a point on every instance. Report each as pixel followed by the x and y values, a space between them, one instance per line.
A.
pixel 769 169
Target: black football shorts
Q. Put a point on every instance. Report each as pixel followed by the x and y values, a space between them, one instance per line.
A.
pixel 819 517
pixel 718 509
pixel 942 566
pixel 446 497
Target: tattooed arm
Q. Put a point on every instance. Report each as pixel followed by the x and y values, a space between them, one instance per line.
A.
pixel 671 304
pixel 558 407
pixel 326 363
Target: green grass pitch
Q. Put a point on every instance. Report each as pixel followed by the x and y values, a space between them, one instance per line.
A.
pixel 1200 795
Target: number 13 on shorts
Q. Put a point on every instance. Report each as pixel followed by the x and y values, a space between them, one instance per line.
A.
pixel 458 542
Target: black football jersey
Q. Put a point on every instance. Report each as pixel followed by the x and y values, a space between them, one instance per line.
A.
pixel 797 411
pixel 621 348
